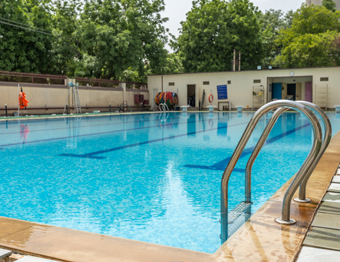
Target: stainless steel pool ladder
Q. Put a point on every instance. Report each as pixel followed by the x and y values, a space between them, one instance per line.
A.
pixel 302 176
pixel 163 107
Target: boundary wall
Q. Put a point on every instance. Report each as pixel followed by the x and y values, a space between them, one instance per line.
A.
pixel 51 99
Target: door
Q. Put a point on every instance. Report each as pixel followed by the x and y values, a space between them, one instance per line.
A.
pixel 191 95
pixel 308 92
pixel 277 91
pixel 291 90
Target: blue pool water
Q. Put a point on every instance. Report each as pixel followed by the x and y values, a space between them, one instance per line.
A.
pixel 147 177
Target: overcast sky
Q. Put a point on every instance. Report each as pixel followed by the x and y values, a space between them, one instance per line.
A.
pixel 175 10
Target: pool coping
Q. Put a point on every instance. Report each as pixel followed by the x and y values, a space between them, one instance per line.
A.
pixel 259 239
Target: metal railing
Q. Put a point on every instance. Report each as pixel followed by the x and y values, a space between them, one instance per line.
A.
pixel 163 107
pixel 302 176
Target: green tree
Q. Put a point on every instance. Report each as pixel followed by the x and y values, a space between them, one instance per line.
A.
pixel 311 41
pixel 272 22
pixel 213 29
pixel 173 64
pixel 21 49
pixel 66 53
pixel 122 34
pixel 329 4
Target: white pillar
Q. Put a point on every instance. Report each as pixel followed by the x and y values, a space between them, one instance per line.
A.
pixel 124 92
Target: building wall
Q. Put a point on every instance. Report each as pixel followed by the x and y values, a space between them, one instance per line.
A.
pixel 241 85
pixel 54 97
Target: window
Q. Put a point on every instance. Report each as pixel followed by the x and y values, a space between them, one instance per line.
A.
pixel 257 81
pixel 171 83
pixel 229 82
pixel 324 79
pixel 206 83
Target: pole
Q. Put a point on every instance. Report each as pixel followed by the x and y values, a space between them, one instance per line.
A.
pixel 6 110
pixel 66 109
pixel 110 107
pixel 18 98
pixel 234 61
pixel 239 61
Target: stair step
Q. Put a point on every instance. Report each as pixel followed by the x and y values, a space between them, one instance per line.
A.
pixel 4 253
pixel 237 211
pixel 34 259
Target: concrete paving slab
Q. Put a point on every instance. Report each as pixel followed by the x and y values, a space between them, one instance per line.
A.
pixel 4 253
pixel 312 254
pixel 330 207
pixel 332 197
pixel 336 179
pixel 323 238
pixel 334 187
pixel 327 220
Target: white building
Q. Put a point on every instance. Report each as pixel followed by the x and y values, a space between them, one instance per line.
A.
pixel 252 89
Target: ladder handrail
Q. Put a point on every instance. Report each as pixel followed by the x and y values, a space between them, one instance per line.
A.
pixel 241 145
pixel 163 107
pixel 258 148
pixel 326 140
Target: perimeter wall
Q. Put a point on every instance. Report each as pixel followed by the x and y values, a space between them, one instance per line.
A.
pixel 51 99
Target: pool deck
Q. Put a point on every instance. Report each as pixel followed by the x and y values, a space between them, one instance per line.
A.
pixel 259 239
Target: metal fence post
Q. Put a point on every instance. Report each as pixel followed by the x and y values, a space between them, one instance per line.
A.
pixel 110 107
pixel 6 110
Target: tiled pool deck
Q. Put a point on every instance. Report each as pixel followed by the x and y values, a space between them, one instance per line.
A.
pixel 322 242
pixel 259 239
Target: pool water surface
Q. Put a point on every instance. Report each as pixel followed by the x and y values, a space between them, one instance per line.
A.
pixel 149 177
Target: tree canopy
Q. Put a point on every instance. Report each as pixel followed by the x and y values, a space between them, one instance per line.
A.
pixel 22 50
pixel 125 39
pixel 273 21
pixel 213 29
pixel 311 41
pixel 329 4
pixel 92 38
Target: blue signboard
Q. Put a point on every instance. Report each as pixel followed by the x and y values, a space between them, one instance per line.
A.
pixel 222 92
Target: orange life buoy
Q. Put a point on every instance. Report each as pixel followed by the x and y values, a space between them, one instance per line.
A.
pixel 23 102
pixel 210 98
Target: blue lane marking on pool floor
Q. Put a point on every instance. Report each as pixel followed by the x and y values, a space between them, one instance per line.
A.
pixel 100 133
pixel 92 155
pixel 221 165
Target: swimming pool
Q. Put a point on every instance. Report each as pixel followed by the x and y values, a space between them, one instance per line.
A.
pixel 149 177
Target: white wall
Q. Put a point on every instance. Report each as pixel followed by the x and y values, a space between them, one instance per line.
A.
pixel 240 89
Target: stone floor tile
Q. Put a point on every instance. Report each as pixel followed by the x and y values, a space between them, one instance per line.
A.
pixel 4 253
pixel 332 197
pixel 323 238
pixel 336 179
pixel 311 254
pixel 330 207
pixel 327 220
pixel 334 187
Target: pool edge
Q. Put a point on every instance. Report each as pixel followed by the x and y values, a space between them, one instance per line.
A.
pixel 262 239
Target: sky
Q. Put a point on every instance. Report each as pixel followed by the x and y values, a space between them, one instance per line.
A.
pixel 175 10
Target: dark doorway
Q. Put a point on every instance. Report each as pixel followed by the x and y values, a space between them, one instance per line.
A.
pixel 291 90
pixel 277 91
pixel 191 95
